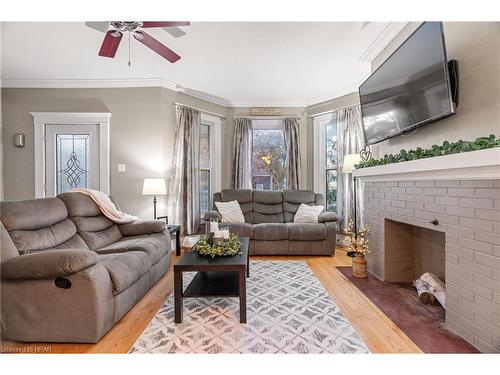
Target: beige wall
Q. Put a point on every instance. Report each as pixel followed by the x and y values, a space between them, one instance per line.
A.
pixel 476 47
pixel 142 135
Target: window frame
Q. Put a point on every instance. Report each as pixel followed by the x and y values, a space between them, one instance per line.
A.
pixel 215 144
pixel 320 123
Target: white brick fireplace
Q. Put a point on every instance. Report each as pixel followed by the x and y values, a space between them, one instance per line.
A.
pixel 412 207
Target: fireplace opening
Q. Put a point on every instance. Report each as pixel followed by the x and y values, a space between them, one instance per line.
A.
pixel 412 251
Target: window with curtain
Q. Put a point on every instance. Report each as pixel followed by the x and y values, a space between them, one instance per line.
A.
pixel 325 158
pixel 268 155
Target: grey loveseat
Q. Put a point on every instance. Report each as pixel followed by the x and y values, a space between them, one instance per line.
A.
pixel 269 222
pixel 68 274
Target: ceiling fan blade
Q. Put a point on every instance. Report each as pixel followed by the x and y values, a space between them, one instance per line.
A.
pixel 164 23
pixel 156 46
pixel 174 31
pixel 101 26
pixel 110 43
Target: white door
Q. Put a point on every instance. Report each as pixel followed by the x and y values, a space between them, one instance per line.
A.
pixel 71 158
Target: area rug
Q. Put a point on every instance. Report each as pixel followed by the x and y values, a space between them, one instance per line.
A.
pixel 288 311
pixel 423 324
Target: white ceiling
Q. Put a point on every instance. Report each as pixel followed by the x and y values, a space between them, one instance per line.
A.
pixel 234 64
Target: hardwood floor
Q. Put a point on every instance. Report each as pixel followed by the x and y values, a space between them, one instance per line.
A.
pixel 380 334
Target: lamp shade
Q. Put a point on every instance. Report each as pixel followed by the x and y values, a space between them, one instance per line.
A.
pixel 350 160
pixel 154 186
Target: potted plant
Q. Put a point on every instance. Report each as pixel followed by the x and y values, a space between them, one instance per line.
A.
pixel 358 243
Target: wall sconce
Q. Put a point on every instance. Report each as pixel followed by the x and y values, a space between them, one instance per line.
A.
pixel 19 140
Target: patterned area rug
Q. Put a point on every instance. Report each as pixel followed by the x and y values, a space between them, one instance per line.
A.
pixel 288 311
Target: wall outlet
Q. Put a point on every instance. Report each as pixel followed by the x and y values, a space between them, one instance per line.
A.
pixel 122 167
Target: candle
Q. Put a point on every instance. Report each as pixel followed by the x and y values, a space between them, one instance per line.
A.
pixel 214 226
pixel 218 234
pixel 225 234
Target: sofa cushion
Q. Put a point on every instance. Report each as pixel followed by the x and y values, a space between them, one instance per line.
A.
pixel 242 229
pixel 43 238
pixel 244 198
pixel 292 199
pixel 125 268
pixel 101 238
pixel 306 232
pixel 267 207
pixel 155 245
pixel 230 212
pixel 270 231
pixel 79 204
pixel 32 214
pixel 307 214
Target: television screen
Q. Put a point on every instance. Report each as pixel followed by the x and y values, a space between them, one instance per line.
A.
pixel 411 88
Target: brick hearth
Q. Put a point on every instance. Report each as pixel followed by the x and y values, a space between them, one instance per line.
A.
pixel 469 216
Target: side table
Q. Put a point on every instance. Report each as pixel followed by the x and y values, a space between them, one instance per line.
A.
pixel 176 230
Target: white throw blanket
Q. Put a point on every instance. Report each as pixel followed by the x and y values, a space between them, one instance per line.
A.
pixel 107 207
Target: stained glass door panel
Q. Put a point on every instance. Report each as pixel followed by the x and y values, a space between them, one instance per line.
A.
pixel 72 158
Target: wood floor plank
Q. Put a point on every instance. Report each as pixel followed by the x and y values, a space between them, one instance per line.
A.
pixel 380 334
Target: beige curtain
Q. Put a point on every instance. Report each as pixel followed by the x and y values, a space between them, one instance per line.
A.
pixel 350 140
pixel 183 205
pixel 292 143
pixel 242 154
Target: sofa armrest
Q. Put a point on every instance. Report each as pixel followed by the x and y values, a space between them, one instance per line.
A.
pixel 326 217
pixel 141 227
pixel 212 215
pixel 47 264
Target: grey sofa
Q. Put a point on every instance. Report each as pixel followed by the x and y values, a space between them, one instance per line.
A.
pixel 68 274
pixel 269 222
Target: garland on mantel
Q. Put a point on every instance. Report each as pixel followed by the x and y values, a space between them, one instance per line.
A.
pixel 447 148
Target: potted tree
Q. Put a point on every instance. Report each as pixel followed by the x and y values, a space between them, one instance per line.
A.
pixel 358 244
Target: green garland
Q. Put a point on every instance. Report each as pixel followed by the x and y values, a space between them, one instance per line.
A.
pixel 227 248
pixel 447 148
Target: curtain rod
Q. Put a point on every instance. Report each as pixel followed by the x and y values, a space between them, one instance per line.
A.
pixel 266 117
pixel 201 110
pixel 333 110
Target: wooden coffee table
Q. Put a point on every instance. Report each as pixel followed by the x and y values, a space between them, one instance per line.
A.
pixel 215 277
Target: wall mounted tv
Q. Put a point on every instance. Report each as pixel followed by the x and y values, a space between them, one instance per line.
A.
pixel 412 88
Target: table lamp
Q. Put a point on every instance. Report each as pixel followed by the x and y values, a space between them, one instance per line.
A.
pixel 350 160
pixel 154 187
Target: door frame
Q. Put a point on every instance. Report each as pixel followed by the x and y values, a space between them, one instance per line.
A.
pixel 40 119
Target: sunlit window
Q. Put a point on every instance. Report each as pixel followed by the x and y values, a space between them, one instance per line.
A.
pixel 268 155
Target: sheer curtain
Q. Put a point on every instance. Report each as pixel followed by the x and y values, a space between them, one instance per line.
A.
pixel 183 204
pixel 242 154
pixel 292 143
pixel 350 140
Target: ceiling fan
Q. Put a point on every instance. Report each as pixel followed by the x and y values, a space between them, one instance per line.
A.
pixel 115 29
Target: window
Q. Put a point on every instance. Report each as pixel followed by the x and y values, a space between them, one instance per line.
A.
pixel 205 168
pixel 325 158
pixel 268 155
pixel 210 160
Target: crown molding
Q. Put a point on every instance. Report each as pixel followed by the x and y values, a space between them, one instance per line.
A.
pixel 90 83
pixel 333 94
pixel 112 83
pixel 204 96
pixel 383 39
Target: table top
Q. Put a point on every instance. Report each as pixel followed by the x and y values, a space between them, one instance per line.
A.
pixel 193 259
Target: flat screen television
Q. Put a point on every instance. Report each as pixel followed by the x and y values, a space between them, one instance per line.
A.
pixel 411 88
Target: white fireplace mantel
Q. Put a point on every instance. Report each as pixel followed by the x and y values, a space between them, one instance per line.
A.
pixel 474 165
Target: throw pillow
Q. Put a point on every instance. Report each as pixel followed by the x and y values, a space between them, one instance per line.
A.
pixel 307 214
pixel 230 212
